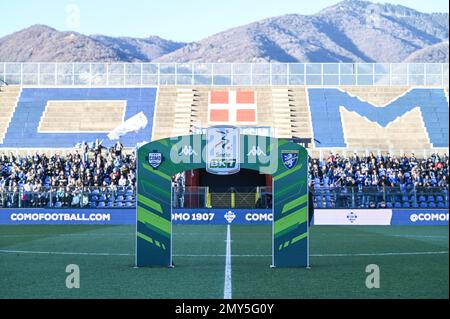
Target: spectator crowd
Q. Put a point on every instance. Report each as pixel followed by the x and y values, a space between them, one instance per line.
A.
pixel 73 176
pixel 378 170
pixel 25 177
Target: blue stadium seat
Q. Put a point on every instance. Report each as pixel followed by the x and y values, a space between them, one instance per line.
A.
pixel 119 204
pixel 128 199
pixel 423 205
pixel 406 205
pixel 325 104
pixel 101 204
pixel 398 205
pixel 58 205
pixel 388 205
pixel 110 204
pixel 128 204
pixel 441 205
pixel 439 198
pixel 422 198
pixel 93 205
pixel 432 205
pixel 23 128
pixel 430 198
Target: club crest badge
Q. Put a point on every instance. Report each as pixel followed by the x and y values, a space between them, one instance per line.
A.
pixel 290 158
pixel 229 216
pixel 155 159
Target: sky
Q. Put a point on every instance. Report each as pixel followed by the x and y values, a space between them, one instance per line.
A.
pixel 178 20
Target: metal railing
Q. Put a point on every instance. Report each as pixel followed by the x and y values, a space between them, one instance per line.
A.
pixel 380 197
pixel 155 74
pixel 237 197
pixel 88 197
pixel 222 197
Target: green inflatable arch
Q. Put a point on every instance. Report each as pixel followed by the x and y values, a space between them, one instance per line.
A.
pixel 284 160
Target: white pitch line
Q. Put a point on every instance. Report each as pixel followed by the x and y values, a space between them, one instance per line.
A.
pixel 419 236
pixel 7 251
pixel 384 254
pixel 68 235
pixel 61 253
pixel 227 284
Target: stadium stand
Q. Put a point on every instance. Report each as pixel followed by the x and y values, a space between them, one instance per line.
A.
pixel 380 181
pixel 285 109
pixel 385 119
pixel 106 178
pixel 428 105
pixel 92 177
pixel 8 101
pixel 91 116
pixel 340 119
pixel 32 127
pixel 175 111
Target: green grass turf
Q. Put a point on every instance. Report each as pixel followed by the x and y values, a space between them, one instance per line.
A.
pixel 200 263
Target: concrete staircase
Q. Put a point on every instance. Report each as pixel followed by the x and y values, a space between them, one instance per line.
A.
pixel 9 96
pixel 175 111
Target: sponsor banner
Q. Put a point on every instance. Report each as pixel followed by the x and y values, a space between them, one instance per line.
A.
pixel 16 216
pixel 24 216
pixel 222 216
pixel 352 216
pixel 21 216
pixel 420 217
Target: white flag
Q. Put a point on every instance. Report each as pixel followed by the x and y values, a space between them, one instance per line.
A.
pixel 134 123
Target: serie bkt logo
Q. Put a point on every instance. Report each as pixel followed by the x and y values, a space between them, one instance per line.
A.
pixel 352 217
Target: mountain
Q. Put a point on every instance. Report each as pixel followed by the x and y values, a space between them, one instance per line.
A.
pixel 350 31
pixel 432 53
pixel 40 43
pixel 139 49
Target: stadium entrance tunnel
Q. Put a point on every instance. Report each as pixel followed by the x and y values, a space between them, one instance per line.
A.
pixel 161 172
pixel 199 189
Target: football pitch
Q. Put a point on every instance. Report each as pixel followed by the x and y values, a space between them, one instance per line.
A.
pixel 413 263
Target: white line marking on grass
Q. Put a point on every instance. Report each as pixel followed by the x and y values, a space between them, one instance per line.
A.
pixel 419 236
pixel 67 235
pixel 197 234
pixel 7 251
pixel 227 284
pixel 61 253
pixel 383 254
pixel 219 255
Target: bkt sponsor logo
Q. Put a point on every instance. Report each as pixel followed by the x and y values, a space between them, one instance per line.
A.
pixel 428 217
pixel 219 163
